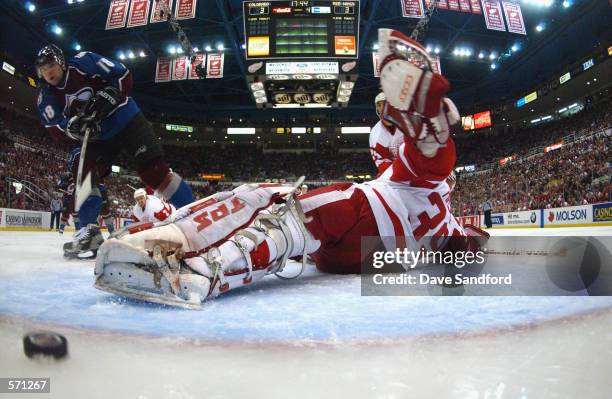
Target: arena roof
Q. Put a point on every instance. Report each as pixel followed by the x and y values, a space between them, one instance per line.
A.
pixel 568 33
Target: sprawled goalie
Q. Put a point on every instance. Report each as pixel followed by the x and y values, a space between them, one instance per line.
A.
pixel 235 238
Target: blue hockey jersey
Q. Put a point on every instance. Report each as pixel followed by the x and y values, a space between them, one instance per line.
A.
pixel 86 73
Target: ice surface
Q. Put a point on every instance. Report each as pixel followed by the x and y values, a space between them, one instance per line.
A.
pixel 316 333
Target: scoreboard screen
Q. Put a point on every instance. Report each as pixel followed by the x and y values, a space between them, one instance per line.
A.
pixel 301 29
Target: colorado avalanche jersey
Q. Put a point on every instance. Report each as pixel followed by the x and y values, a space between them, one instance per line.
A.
pixel 85 74
pixel 155 210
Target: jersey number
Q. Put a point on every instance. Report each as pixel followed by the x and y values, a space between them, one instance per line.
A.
pixel 429 223
pixel 105 64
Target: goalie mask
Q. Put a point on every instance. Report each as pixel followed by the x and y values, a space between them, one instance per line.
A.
pixel 414 92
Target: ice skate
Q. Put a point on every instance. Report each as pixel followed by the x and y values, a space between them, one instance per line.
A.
pixel 85 243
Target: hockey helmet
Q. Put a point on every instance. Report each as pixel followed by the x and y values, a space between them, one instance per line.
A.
pixel 141 192
pixel 48 55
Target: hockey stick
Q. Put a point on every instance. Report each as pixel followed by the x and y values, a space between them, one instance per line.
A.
pixel 82 189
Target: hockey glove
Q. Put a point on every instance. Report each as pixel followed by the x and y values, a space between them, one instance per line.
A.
pixel 78 125
pixel 104 102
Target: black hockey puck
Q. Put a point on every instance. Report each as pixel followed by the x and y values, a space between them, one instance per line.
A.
pixel 45 344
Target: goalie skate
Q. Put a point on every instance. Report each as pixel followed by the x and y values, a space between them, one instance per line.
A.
pixel 163 278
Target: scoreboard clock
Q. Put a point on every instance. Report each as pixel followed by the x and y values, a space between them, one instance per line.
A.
pixel 301 29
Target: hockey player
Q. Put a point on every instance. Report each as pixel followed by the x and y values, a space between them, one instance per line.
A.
pixel 232 239
pixel 151 209
pixel 385 140
pixel 91 92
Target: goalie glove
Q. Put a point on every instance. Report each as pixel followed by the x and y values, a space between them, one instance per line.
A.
pixel 407 76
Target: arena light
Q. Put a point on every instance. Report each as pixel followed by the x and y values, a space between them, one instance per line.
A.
pixel 30 7
pixel 492 56
pixel 261 100
pixel 220 47
pixel 437 50
pixel 355 130
pixel 316 130
pixel 131 54
pixel 171 49
pixel 298 130
pixel 121 55
pixel 195 49
pixel 243 46
pixel 493 66
pixel 375 46
pixel 77 46
pixel 515 48
pixel 539 27
pixel 179 50
pixel 57 29
pixel 347 85
pixel 481 55
pixel 240 130
pixel 115 169
pixel 208 48
pixel 142 54
pixel 566 4
pixel 428 49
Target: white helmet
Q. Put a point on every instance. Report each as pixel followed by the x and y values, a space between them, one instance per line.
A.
pixel 141 192
pixel 380 97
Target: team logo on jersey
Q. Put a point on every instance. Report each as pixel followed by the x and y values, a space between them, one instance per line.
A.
pixel 75 102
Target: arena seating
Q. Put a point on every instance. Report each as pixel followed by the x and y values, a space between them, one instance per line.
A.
pixel 572 175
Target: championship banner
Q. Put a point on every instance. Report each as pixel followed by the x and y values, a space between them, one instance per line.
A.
pixel 214 65
pixel 492 15
pixel 453 5
pixel 514 17
pixel 442 4
pixel 376 64
pixel 200 59
pixel 117 14
pixel 162 71
pixel 464 5
pixel 179 68
pixel 185 9
pixel 476 6
pixel 413 9
pixel 139 13
pixel 156 13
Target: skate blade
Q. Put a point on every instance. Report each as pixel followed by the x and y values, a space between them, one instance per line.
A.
pixel 132 293
pixel 81 255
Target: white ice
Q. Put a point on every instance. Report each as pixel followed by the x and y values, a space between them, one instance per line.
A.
pixel 314 337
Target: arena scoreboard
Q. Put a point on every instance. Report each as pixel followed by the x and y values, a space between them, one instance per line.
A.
pixel 301 29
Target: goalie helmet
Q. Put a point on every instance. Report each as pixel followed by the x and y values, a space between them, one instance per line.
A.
pixel 48 55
